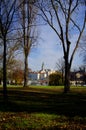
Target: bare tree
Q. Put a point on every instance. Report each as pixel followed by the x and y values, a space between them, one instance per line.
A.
pixel 28 32
pixel 64 16
pixel 15 71
pixel 7 9
pixel 60 65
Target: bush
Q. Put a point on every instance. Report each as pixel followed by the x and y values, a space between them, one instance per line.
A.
pixel 55 79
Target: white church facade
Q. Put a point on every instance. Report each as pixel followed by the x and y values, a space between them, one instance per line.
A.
pixel 40 77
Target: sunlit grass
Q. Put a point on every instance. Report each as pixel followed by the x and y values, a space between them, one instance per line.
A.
pixel 46 89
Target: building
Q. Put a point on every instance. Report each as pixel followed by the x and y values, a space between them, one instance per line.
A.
pixel 40 77
pixel 78 78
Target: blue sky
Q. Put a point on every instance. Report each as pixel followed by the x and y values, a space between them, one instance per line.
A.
pixel 49 51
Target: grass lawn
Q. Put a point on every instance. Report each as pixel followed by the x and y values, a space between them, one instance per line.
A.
pixel 43 108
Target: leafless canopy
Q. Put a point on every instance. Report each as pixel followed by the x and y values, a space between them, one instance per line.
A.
pixel 66 18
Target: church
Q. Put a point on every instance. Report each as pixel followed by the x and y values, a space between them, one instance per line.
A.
pixel 40 77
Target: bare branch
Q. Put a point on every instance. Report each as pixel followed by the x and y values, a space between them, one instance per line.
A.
pixel 79 37
pixel 75 25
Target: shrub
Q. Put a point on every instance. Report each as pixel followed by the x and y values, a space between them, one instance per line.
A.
pixel 55 79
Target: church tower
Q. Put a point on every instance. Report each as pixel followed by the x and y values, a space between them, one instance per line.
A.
pixel 42 67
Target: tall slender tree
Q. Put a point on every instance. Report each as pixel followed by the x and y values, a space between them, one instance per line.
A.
pixel 28 33
pixel 65 17
pixel 7 10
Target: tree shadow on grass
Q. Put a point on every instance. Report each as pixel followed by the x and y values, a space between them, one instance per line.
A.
pixel 62 104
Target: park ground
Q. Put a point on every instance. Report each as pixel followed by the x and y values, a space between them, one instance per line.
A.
pixel 43 108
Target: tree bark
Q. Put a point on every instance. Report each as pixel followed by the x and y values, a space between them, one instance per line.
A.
pixel 67 76
pixel 4 72
pixel 62 76
pixel 26 72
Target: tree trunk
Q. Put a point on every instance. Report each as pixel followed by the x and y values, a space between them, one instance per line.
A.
pixel 26 72
pixel 62 76
pixel 4 73
pixel 67 77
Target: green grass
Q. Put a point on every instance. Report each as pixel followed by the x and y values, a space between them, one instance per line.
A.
pixel 43 107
